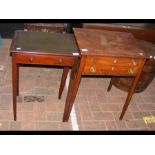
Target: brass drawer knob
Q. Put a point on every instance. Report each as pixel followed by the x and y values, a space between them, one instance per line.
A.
pixel 60 60
pixel 31 59
pixel 130 71
pixel 134 62
pixel 92 70
pixel 115 60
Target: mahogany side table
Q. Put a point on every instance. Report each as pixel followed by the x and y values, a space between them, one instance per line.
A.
pixel 106 53
pixel 145 33
pixel 39 48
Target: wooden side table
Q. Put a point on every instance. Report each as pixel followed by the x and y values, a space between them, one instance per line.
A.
pixel 39 48
pixel 145 34
pixel 106 53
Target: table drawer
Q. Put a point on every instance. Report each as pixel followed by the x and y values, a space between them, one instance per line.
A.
pixel 96 65
pixel 112 61
pixel 44 59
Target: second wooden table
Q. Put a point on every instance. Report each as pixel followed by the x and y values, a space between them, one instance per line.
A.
pixel 106 53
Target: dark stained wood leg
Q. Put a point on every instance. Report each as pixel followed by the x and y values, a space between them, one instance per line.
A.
pixel 68 105
pixel 130 94
pixel 14 86
pixel 131 91
pixel 17 80
pixel 75 80
pixel 111 83
pixel 63 81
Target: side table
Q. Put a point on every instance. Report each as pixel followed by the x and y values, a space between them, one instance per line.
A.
pixel 109 54
pixel 145 35
pixel 39 48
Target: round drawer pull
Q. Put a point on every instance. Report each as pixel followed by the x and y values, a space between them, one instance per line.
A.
pixel 92 70
pixel 115 60
pixel 134 62
pixel 112 68
pixel 31 59
pixel 130 71
pixel 60 60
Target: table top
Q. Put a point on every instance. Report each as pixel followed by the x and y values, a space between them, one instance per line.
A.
pixel 107 43
pixel 43 43
pixel 148 47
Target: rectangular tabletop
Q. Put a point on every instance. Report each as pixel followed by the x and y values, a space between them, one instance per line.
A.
pixel 107 43
pixel 44 43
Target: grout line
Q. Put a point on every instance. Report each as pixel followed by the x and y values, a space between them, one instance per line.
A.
pixel 74 123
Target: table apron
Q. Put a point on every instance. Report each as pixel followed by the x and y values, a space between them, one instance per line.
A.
pixel 43 59
pixel 100 65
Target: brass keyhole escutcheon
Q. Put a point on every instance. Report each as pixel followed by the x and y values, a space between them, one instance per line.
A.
pixel 92 70
pixel 134 62
pixel 130 71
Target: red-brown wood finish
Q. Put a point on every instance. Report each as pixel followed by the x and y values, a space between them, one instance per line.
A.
pixel 63 57
pixel 145 33
pixel 111 66
pixel 63 81
pixel 73 87
pixel 40 59
pixel 14 86
pixel 106 53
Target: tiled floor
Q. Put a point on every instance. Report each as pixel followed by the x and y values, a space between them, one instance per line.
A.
pixel 40 109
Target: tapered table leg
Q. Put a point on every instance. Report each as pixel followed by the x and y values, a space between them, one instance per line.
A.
pixel 14 86
pixel 68 106
pixel 75 80
pixel 63 81
pixel 17 80
pixel 111 83
pixel 131 91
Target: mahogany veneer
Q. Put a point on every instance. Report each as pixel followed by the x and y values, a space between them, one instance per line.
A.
pixel 106 53
pixel 39 48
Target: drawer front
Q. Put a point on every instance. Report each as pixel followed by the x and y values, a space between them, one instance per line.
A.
pixel 96 65
pixel 44 59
